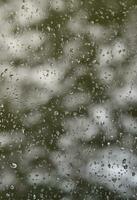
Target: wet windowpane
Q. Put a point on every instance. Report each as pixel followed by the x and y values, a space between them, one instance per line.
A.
pixel 68 100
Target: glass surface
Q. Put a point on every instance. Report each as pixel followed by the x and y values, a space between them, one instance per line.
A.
pixel 68 100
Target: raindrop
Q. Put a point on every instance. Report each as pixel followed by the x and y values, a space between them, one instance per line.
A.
pixel 13 165
pixel 12 187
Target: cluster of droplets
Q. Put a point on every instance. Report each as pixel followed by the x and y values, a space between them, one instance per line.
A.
pixel 68 90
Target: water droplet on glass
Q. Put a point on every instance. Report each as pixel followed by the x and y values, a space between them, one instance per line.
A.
pixel 13 165
pixel 12 187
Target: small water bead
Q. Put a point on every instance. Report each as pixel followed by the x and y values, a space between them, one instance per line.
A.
pixel 7 195
pixel 12 187
pixel 13 165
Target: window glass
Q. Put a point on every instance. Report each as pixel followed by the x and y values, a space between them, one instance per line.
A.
pixel 68 100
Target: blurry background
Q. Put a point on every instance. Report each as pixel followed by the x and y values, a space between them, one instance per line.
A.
pixel 68 99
